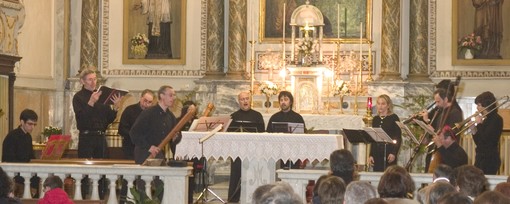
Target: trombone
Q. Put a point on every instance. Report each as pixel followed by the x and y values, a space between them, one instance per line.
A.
pixel 469 121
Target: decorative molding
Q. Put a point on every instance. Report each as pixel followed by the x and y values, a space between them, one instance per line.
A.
pixel 203 36
pixel 152 73
pixel 105 37
pixel 11 5
pixel 434 73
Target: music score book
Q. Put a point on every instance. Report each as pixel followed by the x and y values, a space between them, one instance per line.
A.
pixel 107 94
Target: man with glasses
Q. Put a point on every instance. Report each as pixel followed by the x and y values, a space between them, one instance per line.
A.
pixel 17 146
pixel 92 119
pixel 128 118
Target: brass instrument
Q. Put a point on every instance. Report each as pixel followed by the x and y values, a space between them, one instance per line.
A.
pixel 417 115
pixel 469 121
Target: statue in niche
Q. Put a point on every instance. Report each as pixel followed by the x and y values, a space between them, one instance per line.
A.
pixel 159 20
pixel 489 26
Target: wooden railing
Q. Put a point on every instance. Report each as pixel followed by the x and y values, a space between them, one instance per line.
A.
pixel 175 179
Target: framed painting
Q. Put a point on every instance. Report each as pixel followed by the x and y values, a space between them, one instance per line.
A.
pixel 342 19
pixel 480 32
pixel 154 36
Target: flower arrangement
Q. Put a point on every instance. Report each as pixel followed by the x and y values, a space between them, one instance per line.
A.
pixel 50 130
pixel 269 88
pixel 139 44
pixel 470 42
pixel 341 88
pixel 306 45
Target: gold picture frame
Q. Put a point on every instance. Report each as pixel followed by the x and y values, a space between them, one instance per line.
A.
pixel 135 22
pixel 349 19
pixel 463 24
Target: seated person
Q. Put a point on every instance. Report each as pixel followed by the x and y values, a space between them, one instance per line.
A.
pixel 53 191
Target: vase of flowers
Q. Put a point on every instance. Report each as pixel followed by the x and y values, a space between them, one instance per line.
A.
pixel 469 45
pixel 49 131
pixel 139 44
pixel 306 47
pixel 341 89
pixel 268 89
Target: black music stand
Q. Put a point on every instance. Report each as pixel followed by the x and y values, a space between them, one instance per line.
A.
pixel 243 126
pixel 203 195
pixel 369 135
pixel 288 127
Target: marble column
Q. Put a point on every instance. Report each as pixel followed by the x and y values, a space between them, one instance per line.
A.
pixel 89 34
pixel 237 40
pixel 390 41
pixel 215 39
pixel 418 45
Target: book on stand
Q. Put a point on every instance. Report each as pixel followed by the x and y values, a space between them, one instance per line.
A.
pixel 108 93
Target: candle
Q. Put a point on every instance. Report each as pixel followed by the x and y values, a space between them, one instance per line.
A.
pixel 345 22
pixel 283 36
pixel 338 19
pixel 369 103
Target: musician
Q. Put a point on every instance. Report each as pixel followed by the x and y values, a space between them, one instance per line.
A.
pixel 385 120
pixel 450 152
pixel 486 134
pixel 446 109
pixel 286 114
pixel 152 126
pixel 253 118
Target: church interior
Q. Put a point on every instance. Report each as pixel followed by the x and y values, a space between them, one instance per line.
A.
pixel 334 56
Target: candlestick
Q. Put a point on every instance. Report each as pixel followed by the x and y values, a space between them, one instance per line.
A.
pixel 369 103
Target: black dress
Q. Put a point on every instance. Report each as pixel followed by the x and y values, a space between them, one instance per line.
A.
pixel 377 149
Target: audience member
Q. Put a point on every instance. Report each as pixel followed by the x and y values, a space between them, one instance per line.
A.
pixel 260 191
pixel 408 180
pixel 376 201
pixel 359 192
pixel 471 181
pixel 342 163
pixel 128 118
pixel 503 187
pixel 437 190
pixel 455 198
pixel 316 199
pixel 396 185
pixel 491 197
pixel 6 189
pixel 281 192
pixel 442 173
pixel 54 194
pixel 331 190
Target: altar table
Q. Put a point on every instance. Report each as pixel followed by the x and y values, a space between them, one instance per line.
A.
pixel 259 152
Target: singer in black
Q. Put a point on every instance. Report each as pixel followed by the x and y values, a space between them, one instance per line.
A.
pixel 486 134
pixel 286 114
pixel 92 119
pixel 243 120
pixel 386 120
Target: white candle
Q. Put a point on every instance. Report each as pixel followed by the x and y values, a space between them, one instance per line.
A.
pixel 338 19
pixel 283 36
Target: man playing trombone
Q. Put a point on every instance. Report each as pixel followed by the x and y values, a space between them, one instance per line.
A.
pixel 486 133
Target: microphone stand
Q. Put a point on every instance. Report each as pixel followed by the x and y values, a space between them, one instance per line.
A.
pixel 205 183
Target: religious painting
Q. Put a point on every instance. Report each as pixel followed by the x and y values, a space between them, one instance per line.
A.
pixel 480 32
pixel 343 19
pixel 154 32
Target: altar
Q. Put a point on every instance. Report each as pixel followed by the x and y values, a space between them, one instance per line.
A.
pixel 259 152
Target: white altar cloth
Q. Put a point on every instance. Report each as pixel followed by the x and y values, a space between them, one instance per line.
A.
pixel 259 152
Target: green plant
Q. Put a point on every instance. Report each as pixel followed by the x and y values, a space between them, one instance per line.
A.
pixel 140 197
pixel 50 130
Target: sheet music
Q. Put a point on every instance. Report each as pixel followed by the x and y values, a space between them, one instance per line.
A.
pixel 408 132
pixel 205 124
pixel 425 127
pixel 378 134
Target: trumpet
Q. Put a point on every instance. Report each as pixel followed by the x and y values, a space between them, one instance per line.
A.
pixel 417 115
pixel 470 121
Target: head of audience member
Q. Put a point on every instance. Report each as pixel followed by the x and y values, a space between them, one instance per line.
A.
pixel 442 173
pixel 396 183
pixel 454 197
pixel 486 100
pixel 503 187
pixel 315 198
pixel 244 99
pixel 6 184
pixel 359 192
pixel 281 192
pixel 471 181
pixel 438 190
pixel 286 101
pixel 146 99
pixel 376 201
pixel 384 105
pixel 166 96
pixel 342 164
pixel 453 176
pixel 491 197
pixel 52 182
pixel 446 138
pixel 442 99
pixel 259 192
pixel 88 78
pixel 28 120
pixel 185 108
pixel 331 190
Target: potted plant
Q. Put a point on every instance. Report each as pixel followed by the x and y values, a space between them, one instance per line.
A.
pixel 49 131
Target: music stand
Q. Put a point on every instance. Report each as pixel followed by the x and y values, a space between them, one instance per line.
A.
pixel 204 124
pixel 288 127
pixel 243 126
pixel 425 127
pixel 203 195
